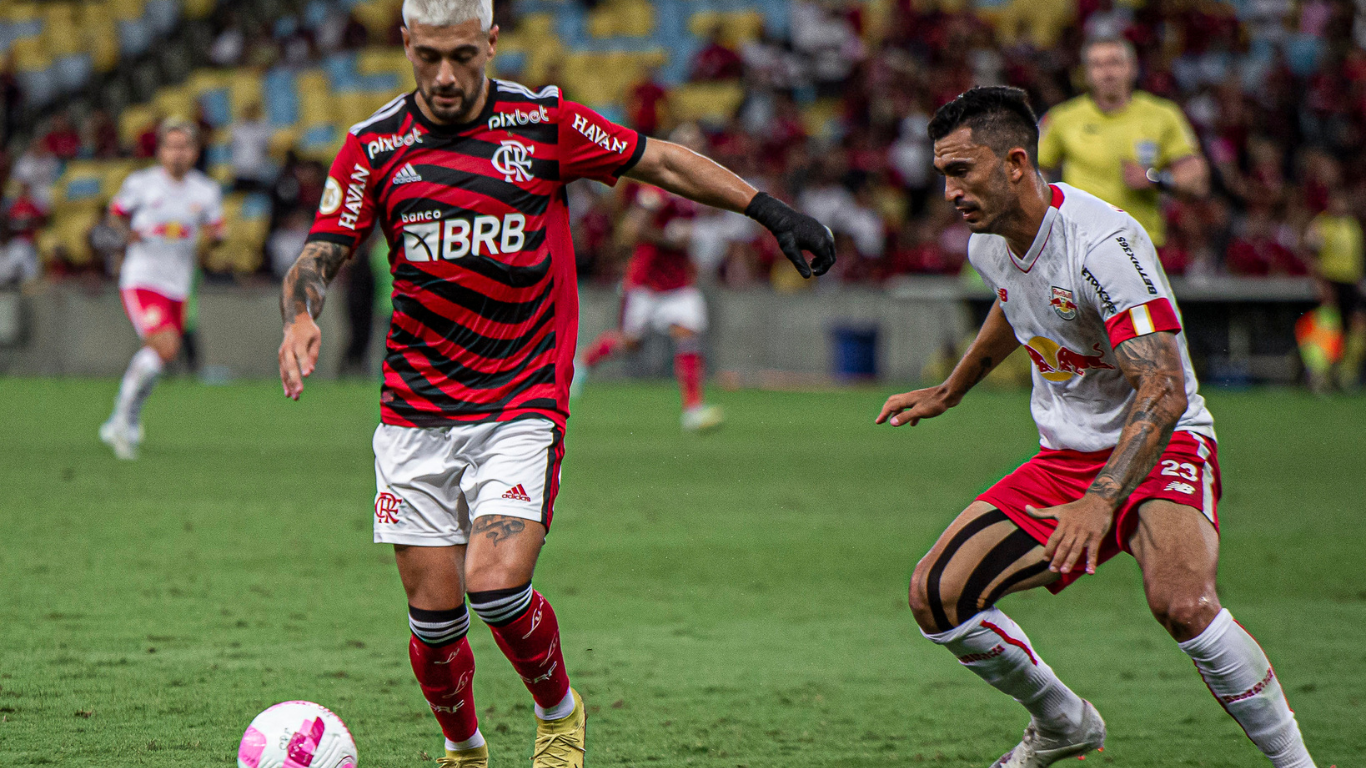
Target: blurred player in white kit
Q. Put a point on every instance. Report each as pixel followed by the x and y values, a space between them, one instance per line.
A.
pixel 163 210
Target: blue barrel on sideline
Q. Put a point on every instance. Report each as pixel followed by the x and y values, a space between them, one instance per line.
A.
pixel 855 348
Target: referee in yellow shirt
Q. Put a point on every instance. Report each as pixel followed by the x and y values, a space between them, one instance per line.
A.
pixel 1121 145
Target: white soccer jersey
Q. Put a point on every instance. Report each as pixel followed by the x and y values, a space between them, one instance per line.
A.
pixel 1090 281
pixel 168 216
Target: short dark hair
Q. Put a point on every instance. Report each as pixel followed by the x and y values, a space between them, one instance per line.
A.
pixel 999 116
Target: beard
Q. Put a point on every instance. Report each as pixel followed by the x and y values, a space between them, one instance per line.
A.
pixel 462 112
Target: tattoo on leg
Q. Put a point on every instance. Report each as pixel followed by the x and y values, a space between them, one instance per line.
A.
pixel 497 528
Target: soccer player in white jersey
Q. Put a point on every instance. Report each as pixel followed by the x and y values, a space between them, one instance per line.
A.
pixel 1127 460
pixel 163 210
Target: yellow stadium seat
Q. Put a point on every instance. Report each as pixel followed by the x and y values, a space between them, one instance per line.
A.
pixel 316 103
pixel 21 12
pixel 134 121
pixel 202 80
pixel 817 116
pixel 536 25
pixel 244 87
pixel 175 101
pixel 282 141
pixel 31 54
pixel 73 231
pixel 736 26
pixel 115 171
pixel 198 9
pixel 707 102
pixel 126 10
pixel 378 17
pixel 59 24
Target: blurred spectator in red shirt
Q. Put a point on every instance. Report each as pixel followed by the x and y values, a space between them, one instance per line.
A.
pixel 24 214
pixel 102 135
pixel 715 61
pixel 1263 246
pixel 62 139
pixel 644 103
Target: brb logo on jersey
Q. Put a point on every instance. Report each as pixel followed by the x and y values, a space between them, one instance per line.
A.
pixel 513 160
pixel 426 237
pixel 1058 363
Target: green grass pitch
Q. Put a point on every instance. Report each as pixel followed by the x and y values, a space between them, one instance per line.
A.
pixel 728 601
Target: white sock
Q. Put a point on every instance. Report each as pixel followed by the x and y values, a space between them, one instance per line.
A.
pixel 1241 678
pixel 473 742
pixel 138 381
pixel 997 650
pixel 558 712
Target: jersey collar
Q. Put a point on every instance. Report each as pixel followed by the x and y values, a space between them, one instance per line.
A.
pixel 442 129
pixel 1041 238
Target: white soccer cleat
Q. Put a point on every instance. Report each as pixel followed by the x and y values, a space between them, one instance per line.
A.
pixel 703 418
pixel 122 438
pixel 1037 749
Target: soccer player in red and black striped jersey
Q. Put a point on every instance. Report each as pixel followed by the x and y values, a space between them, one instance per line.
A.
pixel 466 178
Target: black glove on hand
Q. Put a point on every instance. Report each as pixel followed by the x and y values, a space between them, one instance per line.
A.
pixel 796 232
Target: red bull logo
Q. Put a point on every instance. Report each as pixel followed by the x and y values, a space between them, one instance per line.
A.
pixel 1063 304
pixel 172 230
pixel 1058 363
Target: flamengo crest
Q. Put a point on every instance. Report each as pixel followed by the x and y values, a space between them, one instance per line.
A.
pixel 513 160
pixel 1063 303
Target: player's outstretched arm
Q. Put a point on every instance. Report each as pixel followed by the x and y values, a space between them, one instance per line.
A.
pixel 301 301
pixel 1152 364
pixel 994 342
pixel 688 174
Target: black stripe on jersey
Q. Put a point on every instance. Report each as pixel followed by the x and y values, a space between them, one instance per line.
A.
pixel 541 133
pixel 506 274
pixel 503 191
pixel 506 312
pixel 463 375
pixel 469 146
pixel 477 343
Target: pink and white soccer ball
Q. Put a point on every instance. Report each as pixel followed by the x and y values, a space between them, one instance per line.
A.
pixel 297 734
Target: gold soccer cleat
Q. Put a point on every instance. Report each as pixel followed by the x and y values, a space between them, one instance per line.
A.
pixel 560 743
pixel 465 758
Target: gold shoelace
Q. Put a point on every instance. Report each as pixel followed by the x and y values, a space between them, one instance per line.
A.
pixel 545 745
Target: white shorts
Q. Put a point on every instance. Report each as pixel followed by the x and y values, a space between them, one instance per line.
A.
pixel 433 482
pixel 644 310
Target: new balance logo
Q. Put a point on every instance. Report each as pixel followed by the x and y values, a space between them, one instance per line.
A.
pixel 1180 488
pixel 517 493
pixel 407 175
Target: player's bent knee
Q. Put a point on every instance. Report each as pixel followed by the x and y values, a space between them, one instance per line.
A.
pixel 1184 616
pixel 928 605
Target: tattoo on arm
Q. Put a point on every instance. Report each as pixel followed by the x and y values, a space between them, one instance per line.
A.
pixel 497 528
pixel 984 367
pixel 1152 364
pixel 305 286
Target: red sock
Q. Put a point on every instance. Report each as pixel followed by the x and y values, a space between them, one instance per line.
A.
pixel 446 675
pixel 532 643
pixel 688 369
pixel 606 345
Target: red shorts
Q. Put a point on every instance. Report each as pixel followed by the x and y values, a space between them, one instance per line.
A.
pixel 151 312
pixel 1187 473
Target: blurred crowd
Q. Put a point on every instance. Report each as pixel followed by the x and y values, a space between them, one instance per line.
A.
pixel 1276 91
pixel 833 119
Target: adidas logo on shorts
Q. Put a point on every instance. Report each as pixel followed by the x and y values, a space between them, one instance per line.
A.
pixel 517 493
pixel 407 175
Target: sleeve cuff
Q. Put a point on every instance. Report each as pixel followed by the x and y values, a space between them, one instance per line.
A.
pixel 635 156
pixel 348 241
pixel 1153 317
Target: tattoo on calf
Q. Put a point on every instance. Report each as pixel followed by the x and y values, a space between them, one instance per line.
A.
pixel 497 528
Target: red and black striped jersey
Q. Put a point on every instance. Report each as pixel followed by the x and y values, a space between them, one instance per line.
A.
pixel 486 306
